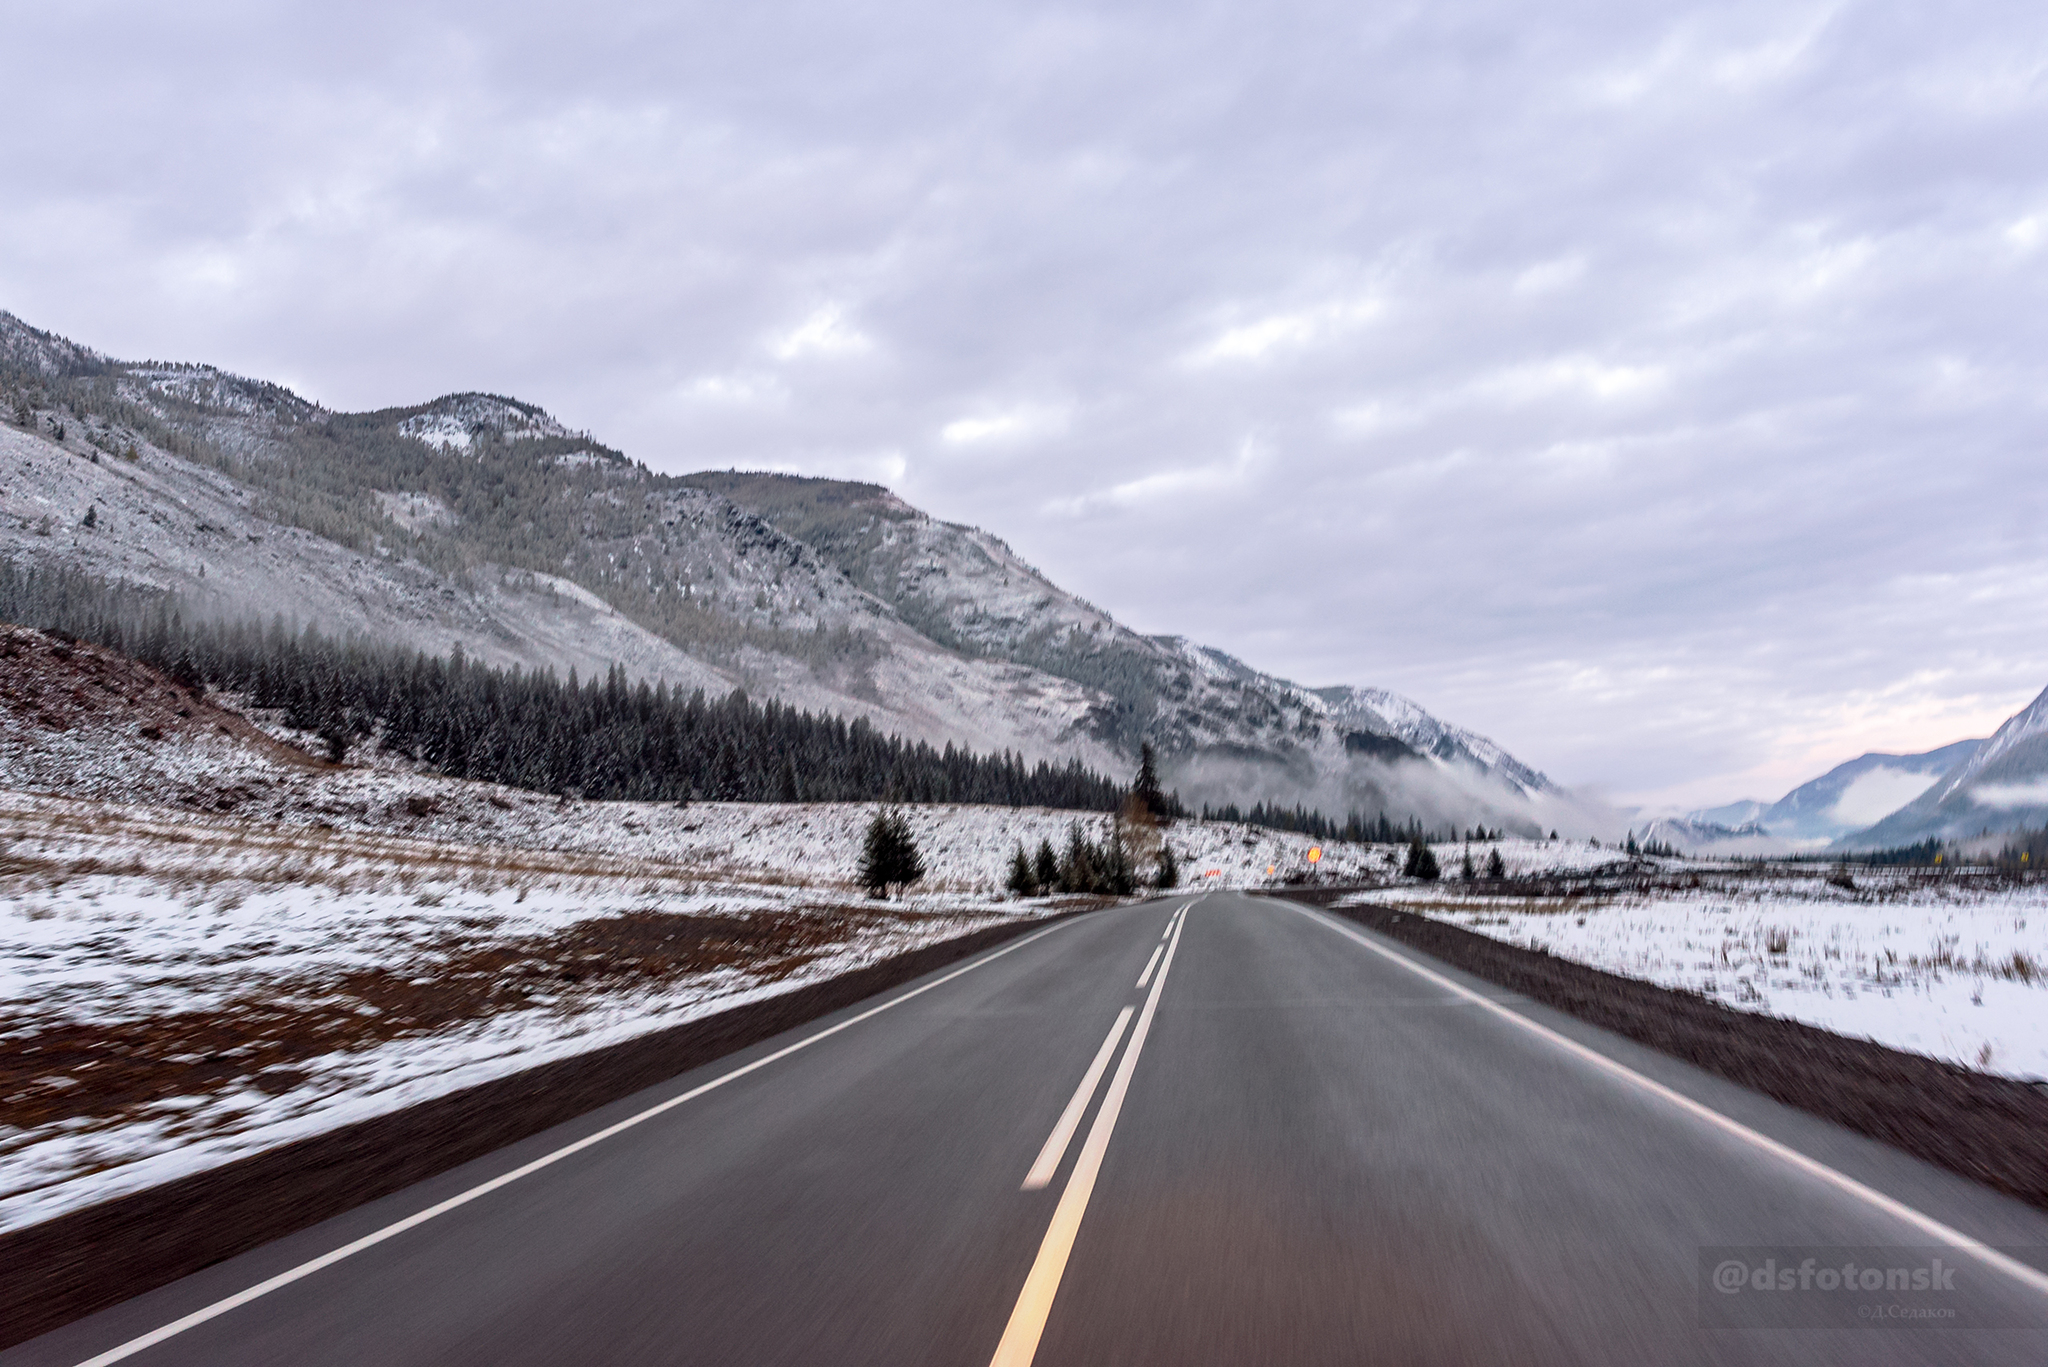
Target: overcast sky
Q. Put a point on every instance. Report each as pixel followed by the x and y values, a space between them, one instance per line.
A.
pixel 1657 391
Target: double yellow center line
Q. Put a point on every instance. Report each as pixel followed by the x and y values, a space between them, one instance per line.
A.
pixel 1027 1322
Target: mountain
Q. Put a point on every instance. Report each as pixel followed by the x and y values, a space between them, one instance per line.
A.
pixel 480 522
pixel 1691 833
pixel 1846 798
pixel 1999 786
pixel 1228 731
pixel 1748 812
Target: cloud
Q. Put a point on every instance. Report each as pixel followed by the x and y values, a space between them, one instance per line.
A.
pixel 1283 332
pixel 824 333
pixel 1003 425
pixel 1873 796
pixel 1652 388
pixel 2008 795
pixel 1571 375
pixel 1149 491
pixel 733 389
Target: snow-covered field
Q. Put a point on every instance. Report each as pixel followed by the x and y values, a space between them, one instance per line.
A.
pixel 353 941
pixel 237 986
pixel 1955 970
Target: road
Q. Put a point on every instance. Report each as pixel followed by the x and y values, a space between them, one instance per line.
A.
pixel 1302 1145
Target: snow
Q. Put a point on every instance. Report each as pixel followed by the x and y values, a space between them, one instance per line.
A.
pixel 106 920
pixel 2024 725
pixel 451 422
pixel 415 511
pixel 119 913
pixel 1949 969
pixel 167 522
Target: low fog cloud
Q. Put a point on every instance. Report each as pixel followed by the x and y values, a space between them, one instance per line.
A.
pixel 1654 389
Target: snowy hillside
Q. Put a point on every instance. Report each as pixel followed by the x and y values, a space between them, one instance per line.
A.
pixel 461 420
pixel 480 521
pixel 2002 786
pixel 1846 798
pixel 1226 731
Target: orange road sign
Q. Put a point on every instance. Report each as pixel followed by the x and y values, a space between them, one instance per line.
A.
pixel 1315 854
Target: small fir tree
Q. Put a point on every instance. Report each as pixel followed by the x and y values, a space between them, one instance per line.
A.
pixel 1118 877
pixel 1496 867
pixel 1078 866
pixel 1466 869
pixel 1045 866
pixel 1169 868
pixel 1421 861
pixel 1022 881
pixel 890 855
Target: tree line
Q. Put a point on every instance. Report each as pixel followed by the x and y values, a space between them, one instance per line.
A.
pixel 1356 827
pixel 603 738
pixel 607 738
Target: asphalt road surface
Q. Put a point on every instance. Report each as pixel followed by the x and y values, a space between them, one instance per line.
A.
pixel 1286 1142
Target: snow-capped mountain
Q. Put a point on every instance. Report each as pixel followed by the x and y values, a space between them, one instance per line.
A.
pixel 1689 834
pixel 1846 798
pixel 2000 786
pixel 480 521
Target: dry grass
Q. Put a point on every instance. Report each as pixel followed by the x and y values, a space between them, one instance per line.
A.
pixel 48 841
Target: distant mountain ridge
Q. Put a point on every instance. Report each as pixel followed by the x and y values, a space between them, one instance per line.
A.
pixel 480 521
pixel 1847 798
pixel 2000 786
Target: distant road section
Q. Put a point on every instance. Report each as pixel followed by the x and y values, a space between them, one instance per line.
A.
pixel 1205 1130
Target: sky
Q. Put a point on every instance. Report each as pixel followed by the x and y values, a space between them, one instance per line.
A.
pixel 1655 389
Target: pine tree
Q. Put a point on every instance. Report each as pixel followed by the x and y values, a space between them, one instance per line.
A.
pixel 1045 867
pixel 1146 789
pixel 1421 860
pixel 1169 868
pixel 1022 882
pixel 1078 871
pixel 1466 870
pixel 1118 877
pixel 889 855
pixel 1496 867
pixel 728 785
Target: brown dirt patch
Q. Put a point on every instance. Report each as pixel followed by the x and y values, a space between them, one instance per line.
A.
pixel 75 1264
pixel 53 684
pixel 73 1070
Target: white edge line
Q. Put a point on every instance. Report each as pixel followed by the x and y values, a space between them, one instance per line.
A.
pixel 1055 1149
pixel 1151 963
pixel 325 1260
pixel 2030 1277
pixel 1026 1325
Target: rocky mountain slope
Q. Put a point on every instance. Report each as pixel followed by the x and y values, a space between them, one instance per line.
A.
pixel 1846 798
pixel 481 522
pixel 2001 785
